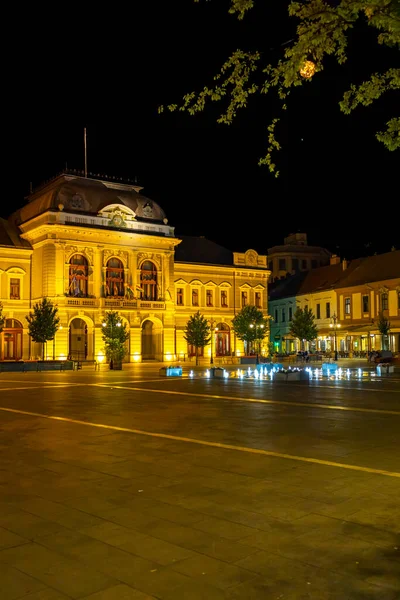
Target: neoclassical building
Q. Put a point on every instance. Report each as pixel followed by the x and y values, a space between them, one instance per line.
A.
pixel 94 245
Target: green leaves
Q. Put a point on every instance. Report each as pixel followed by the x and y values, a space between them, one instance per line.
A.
pixel 250 324
pixel 391 137
pixel 322 30
pixel 383 324
pixel 43 321
pixel 197 332
pixel 114 336
pixel 302 325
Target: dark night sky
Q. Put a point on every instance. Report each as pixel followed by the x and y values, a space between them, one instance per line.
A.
pixel 109 70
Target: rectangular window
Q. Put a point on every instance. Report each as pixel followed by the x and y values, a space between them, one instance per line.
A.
pixel 290 313
pixel 195 297
pixel 314 263
pixel 398 300
pixel 282 264
pixel 384 301
pixel 270 265
pixel 318 311
pixel 258 299
pixel 295 264
pixel 224 298
pixel 347 306
pixel 304 264
pixel 179 296
pixel 14 289
pixel 365 304
pixel 306 307
pixel 209 298
pixel 283 315
pixel 328 310
pixel 276 316
pixel 244 299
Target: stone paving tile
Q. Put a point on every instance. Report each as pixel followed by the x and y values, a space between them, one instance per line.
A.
pixel 334 587
pixel 71 577
pixel 130 517
pixel 224 528
pixel 122 565
pixel 119 592
pixel 161 582
pixel 46 594
pixel 29 554
pixel 28 525
pixel 176 514
pixel 217 573
pixel 384 519
pixel 213 546
pixel 8 539
pixel 195 591
pixel 153 549
pixel 14 584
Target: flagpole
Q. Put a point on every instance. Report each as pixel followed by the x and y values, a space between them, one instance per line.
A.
pixel 85 146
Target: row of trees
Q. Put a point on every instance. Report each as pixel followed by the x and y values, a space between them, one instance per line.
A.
pixel 43 324
pixel 249 325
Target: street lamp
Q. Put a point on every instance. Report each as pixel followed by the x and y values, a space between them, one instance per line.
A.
pixel 257 341
pixel 335 325
pixel 212 323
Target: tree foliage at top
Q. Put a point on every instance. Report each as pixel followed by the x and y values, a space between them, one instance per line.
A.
pixel 43 322
pixel 250 325
pixel 197 332
pixel 322 31
pixel 302 325
pixel 2 318
pixel 114 335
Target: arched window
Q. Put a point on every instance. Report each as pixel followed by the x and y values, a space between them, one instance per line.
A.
pixel 12 324
pixel 148 280
pixel 12 340
pixel 222 340
pixel 78 276
pixel 115 278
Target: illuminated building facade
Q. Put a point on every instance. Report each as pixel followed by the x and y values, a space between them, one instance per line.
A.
pixel 93 246
pixel 346 296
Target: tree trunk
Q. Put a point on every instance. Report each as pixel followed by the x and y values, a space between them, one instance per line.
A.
pixel 197 356
pixel 43 350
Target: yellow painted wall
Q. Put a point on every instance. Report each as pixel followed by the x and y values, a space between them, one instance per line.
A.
pixel 356 305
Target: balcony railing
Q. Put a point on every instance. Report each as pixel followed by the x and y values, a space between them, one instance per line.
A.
pixel 122 303
pixel 82 302
pixel 116 303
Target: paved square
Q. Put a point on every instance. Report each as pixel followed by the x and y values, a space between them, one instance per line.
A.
pixel 123 485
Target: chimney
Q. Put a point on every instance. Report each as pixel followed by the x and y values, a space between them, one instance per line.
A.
pixel 344 264
pixel 334 260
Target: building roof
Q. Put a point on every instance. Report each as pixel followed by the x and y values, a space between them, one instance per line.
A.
pixel 201 250
pixel 9 235
pixel 379 267
pixel 298 249
pixel 88 196
pixel 315 280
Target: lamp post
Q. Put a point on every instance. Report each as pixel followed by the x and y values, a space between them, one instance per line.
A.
pixel 110 325
pixel 335 325
pixel 212 323
pixel 257 326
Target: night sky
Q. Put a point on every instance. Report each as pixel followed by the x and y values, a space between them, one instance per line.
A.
pixel 109 70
